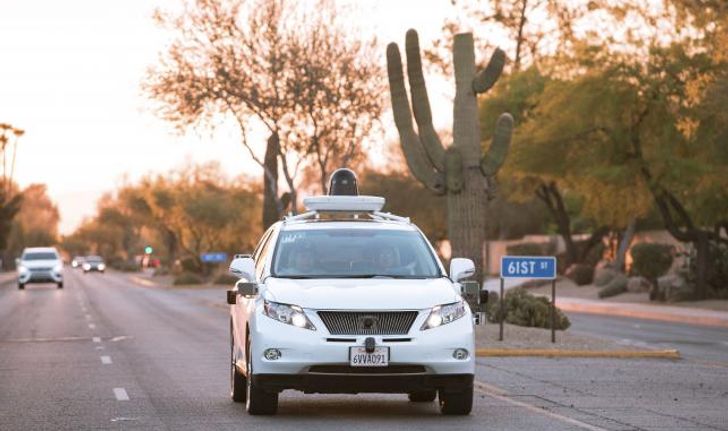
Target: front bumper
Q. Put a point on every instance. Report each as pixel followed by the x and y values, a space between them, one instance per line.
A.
pixel 316 361
pixel 354 384
pixel 40 277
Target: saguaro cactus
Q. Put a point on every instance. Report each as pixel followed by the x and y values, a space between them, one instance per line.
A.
pixel 461 171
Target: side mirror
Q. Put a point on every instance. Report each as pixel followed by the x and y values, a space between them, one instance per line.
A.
pixel 242 287
pixel 243 267
pixel 246 288
pixel 461 268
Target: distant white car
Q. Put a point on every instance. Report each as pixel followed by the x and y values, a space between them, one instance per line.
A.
pixel 40 265
pixel 346 299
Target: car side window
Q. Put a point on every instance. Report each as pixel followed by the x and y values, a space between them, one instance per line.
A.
pixel 262 256
pixel 262 242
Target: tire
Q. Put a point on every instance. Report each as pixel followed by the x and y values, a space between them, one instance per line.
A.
pixel 423 396
pixel 257 400
pixel 60 285
pixel 21 286
pixel 456 403
pixel 237 379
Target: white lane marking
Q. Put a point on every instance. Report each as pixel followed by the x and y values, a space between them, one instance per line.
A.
pixel 106 360
pixel 120 394
pixel 96 339
pixel 496 393
pixel 91 326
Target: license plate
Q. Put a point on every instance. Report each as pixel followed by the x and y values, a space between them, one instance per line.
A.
pixel 358 357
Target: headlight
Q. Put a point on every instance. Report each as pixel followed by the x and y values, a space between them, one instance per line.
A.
pixel 289 314
pixel 22 269
pixel 102 267
pixel 444 314
pixel 86 266
pixel 58 268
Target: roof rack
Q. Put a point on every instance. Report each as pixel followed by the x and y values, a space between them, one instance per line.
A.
pixel 350 207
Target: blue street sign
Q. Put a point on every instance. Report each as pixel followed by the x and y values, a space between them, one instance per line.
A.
pixel 528 267
pixel 214 257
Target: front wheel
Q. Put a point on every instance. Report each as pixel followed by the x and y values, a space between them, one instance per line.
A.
pixel 237 379
pixel 456 403
pixel 258 401
pixel 60 285
pixel 21 286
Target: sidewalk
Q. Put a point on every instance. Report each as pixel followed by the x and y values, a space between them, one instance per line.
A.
pixel 667 313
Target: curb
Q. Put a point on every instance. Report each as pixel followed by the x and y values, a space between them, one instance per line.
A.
pixel 560 353
pixel 659 315
pixel 143 282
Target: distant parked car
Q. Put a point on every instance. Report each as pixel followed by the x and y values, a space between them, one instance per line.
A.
pixel 93 263
pixel 40 265
pixel 77 261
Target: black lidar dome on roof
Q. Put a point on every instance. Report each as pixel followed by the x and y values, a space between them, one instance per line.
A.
pixel 343 183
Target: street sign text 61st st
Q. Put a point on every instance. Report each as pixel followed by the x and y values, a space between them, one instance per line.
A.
pixel 543 267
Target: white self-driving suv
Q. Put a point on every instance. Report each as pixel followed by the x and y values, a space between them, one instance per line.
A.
pixel 346 299
pixel 40 265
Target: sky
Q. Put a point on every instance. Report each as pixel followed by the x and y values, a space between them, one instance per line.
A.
pixel 70 77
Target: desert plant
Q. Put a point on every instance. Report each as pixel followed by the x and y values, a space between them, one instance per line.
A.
pixel 525 309
pixel 617 285
pixel 651 260
pixel 187 278
pixel 461 171
pixel 580 273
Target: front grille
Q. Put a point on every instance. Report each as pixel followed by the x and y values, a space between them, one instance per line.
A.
pixel 368 323
pixel 40 269
pixel 345 369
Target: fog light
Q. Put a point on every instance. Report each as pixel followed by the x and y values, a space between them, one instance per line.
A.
pixel 272 354
pixel 460 354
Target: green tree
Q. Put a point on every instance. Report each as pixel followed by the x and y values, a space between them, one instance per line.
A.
pixel 266 64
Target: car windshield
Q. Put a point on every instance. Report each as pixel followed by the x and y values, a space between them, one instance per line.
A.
pixel 93 259
pixel 353 253
pixel 45 255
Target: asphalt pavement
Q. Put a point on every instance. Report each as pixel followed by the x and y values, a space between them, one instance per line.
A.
pixel 695 342
pixel 110 353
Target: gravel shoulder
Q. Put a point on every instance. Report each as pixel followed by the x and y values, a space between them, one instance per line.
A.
pixel 518 337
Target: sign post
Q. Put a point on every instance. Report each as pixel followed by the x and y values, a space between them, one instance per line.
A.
pixel 538 267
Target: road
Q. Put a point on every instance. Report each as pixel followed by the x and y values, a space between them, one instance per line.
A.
pixel 701 343
pixel 109 353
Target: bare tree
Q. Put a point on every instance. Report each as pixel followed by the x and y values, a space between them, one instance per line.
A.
pixel 317 92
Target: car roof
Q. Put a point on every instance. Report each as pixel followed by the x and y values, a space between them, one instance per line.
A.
pixel 337 224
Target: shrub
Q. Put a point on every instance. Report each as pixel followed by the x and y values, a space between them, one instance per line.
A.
pixel 616 286
pixel 125 266
pixel 525 309
pixel 187 278
pixel 651 260
pixel 190 264
pixel 602 276
pixel 529 249
pixel 162 270
pixel 580 273
pixel 225 278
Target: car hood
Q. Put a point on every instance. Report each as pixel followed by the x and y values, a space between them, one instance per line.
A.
pixel 361 294
pixel 39 263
